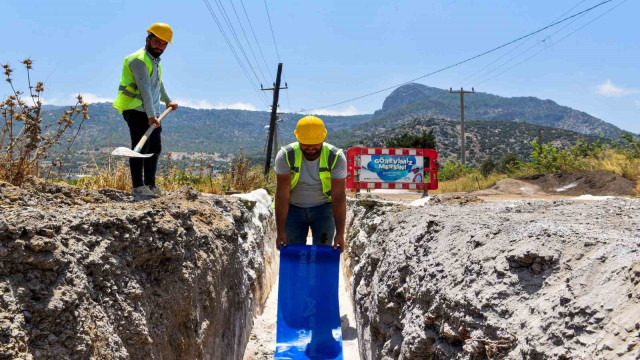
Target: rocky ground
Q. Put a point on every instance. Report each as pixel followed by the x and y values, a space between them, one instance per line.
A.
pixel 93 274
pixel 526 279
pixel 488 275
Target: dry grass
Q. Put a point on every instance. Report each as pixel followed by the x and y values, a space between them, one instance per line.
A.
pixel 115 174
pixel 469 182
pixel 616 162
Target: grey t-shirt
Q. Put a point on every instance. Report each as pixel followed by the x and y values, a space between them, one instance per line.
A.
pixel 308 191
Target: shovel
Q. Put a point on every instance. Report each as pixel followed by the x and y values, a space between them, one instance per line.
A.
pixel 123 151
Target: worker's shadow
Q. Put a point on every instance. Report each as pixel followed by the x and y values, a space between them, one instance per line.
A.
pixel 348 332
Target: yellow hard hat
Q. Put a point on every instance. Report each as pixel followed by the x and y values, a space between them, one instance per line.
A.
pixel 310 130
pixel 161 30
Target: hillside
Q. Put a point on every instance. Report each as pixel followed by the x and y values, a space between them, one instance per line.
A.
pixel 417 99
pixel 484 138
pixel 196 130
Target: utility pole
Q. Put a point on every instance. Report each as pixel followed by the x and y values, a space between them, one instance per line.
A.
pixel 272 124
pixel 462 92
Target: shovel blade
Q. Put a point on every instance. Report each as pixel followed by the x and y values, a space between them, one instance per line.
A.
pixel 123 151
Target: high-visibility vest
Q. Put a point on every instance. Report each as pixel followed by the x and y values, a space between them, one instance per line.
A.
pixel 328 160
pixel 128 93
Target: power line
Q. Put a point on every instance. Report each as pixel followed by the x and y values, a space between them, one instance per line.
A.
pixel 482 77
pixel 248 43
pixel 463 61
pixel 223 11
pixel 472 76
pixel 564 37
pixel 273 36
pixel 233 51
pixel 256 40
pixel 271 27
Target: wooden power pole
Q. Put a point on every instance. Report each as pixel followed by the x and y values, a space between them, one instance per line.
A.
pixel 462 137
pixel 272 124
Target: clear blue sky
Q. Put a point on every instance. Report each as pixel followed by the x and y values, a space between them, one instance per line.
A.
pixel 334 50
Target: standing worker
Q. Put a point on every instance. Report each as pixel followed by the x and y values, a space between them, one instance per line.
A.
pixel 311 188
pixel 139 95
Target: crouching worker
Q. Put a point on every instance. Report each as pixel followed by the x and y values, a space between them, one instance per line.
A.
pixel 139 95
pixel 311 188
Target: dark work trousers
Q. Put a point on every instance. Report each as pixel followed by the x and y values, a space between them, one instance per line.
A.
pixel 138 124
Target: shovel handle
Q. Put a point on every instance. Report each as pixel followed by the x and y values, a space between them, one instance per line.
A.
pixel 149 131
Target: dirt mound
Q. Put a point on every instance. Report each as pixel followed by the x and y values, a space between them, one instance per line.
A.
pixel 511 187
pixel 527 279
pixel 583 182
pixel 83 276
pixel 45 194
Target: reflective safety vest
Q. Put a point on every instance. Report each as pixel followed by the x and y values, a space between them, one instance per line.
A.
pixel 128 93
pixel 328 160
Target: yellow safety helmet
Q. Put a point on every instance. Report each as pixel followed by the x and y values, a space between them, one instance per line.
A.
pixel 161 30
pixel 310 130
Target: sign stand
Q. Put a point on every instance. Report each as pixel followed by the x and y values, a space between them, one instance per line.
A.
pixel 393 167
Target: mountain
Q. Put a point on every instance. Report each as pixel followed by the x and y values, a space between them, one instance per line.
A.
pixel 483 138
pixel 417 99
pixel 196 130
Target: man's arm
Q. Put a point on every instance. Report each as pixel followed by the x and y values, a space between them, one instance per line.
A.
pixel 283 192
pixel 164 97
pixel 339 207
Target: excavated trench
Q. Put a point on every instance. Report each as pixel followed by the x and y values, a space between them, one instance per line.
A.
pixel 93 275
pixel 505 280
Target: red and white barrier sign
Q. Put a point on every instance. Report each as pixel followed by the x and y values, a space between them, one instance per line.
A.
pixel 388 168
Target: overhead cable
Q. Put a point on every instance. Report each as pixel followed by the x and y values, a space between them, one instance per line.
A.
pixel 256 40
pixel 233 51
pixel 548 47
pixel 474 75
pixel 463 61
pixel 249 43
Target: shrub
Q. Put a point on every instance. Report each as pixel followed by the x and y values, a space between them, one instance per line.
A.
pixel 24 140
pixel 488 166
pixel 509 164
pixel 452 170
pixel 632 146
pixel 545 158
pixel 584 149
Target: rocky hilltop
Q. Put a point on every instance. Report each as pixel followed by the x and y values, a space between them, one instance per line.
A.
pixel 417 99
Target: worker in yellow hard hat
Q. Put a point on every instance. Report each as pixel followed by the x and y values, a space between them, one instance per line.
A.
pixel 139 95
pixel 311 188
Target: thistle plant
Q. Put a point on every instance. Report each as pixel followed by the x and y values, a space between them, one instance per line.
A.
pixel 25 142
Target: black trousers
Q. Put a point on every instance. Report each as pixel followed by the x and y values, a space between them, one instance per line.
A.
pixel 138 124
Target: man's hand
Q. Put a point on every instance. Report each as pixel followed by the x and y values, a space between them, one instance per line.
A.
pixel 154 120
pixel 281 239
pixel 173 105
pixel 338 240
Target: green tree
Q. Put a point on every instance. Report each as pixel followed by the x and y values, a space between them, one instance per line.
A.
pixel 509 163
pixel 488 166
pixel 632 146
pixel 452 170
pixel 584 149
pixel 406 140
pixel 545 158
